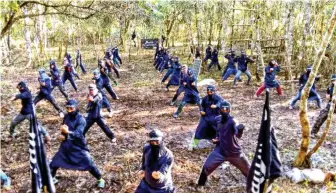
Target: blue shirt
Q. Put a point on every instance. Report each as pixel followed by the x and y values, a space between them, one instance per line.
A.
pixel 214 56
pixel 68 57
pixel 330 91
pixel 47 87
pixel 94 107
pixel 163 165
pixel 73 152
pixel 270 81
pixel 189 88
pixel 226 133
pixel 115 52
pixel 211 113
pixel 242 61
pixel 55 75
pixel 26 101
pixel 175 78
pixel 231 61
pixel 105 78
pixel 303 80
pixel 99 83
pixel 208 52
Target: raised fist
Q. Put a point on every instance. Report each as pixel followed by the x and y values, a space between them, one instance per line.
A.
pixel 65 129
pixel 156 175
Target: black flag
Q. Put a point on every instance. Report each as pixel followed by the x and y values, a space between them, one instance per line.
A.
pixel 40 171
pixel 266 165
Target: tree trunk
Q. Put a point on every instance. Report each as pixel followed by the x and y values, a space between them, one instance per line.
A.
pixel 121 39
pixel 191 40
pixel 45 35
pixel 196 23
pixel 8 44
pixel 232 26
pixel 190 33
pixel 210 32
pixel 40 30
pixel 8 40
pixel 27 38
pixel 66 43
pixel 259 51
pixel 124 24
pixel 169 29
pixel 219 37
pixel 301 157
pixel 304 38
pixel 66 46
pixel 94 46
pixel 222 35
pixel 173 38
pixel 212 11
pixel 36 46
pixel 200 26
pixel 8 24
pixel 4 53
pixel 260 54
pixel 289 45
pixel 60 47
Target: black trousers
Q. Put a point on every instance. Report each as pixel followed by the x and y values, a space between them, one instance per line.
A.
pixel 70 78
pixel 49 98
pixel 101 123
pixel 110 90
pixel 94 171
pixel 62 90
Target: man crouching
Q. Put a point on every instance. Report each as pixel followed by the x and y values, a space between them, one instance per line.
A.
pixel 157 162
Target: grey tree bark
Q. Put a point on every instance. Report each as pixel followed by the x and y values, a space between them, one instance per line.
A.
pixel 289 44
pixel 27 38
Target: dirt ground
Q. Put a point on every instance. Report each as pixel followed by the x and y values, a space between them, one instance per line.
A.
pixel 144 104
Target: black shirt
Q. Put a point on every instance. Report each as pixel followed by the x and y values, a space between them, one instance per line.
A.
pixel 330 91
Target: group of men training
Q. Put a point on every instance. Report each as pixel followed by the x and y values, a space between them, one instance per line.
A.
pixel 216 123
pixel 73 152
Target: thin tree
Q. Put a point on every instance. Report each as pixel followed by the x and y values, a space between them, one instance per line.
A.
pixel 27 38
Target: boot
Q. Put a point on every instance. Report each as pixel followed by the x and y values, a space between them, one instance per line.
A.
pixel 194 144
pixel 101 183
pixel 202 179
pixel 179 110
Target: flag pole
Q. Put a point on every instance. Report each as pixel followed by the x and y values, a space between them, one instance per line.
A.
pixel 267 101
pixel 266 186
